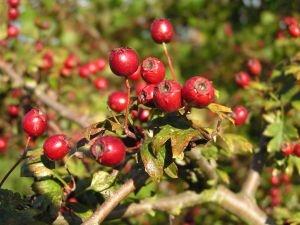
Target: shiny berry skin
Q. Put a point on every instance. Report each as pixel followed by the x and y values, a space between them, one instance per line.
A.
pixel 123 61
pixel 287 149
pixel 242 79
pixel 136 75
pixel 13 110
pixel 167 96
pixel 109 150
pixel 254 67
pixel 56 147
pixel 198 91
pixel 12 31
pixel 13 13
pixel 101 83
pixel 84 71
pixel 34 123
pixel 275 181
pixel 240 115
pixel 294 30
pixel 3 145
pixel 13 3
pixel 162 30
pixel 297 150
pixel 118 101
pixel 153 70
pixel 71 61
pixel 145 96
pixel 143 115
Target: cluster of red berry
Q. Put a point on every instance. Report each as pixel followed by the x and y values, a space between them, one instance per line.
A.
pixel 243 78
pixel 12 14
pixel 289 24
pixel 277 181
pixel 291 149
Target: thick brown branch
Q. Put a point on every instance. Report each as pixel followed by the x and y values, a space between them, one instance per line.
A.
pixel 43 97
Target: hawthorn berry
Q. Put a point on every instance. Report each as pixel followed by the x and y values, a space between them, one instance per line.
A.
pixel 13 3
pixel 153 70
pixel 92 67
pixel 143 115
pixel 134 114
pixel 65 72
pixel 274 191
pixel 145 96
pixel 34 123
pixel 138 86
pixel 167 96
pixel 123 61
pixel 38 46
pixel 275 181
pixel 100 83
pixel 13 110
pixel 162 30
pixel 12 31
pixel 100 64
pixel 287 149
pixel 294 30
pixel 71 61
pixel 198 91
pixel 13 13
pixel 242 79
pixel 84 71
pixel 47 61
pixel 3 144
pixel 117 101
pixel 289 20
pixel 254 67
pixel 56 147
pixel 108 150
pixel 240 115
pixel 136 75
pixel 285 178
pixel 297 150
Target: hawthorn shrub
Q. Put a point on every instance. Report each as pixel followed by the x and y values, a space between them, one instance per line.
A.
pixel 152 116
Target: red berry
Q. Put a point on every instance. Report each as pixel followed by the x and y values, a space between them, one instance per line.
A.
pixel 145 96
pixel 254 67
pixel 297 150
pixel 118 101
pixel 287 149
pixel 13 3
pixel 198 91
pixel 101 83
pixel 100 64
pixel 242 79
pixel 167 96
pixel 13 110
pixel 289 20
pixel 56 147
pixel 108 150
pixel 34 123
pixel 84 71
pixel 3 145
pixel 12 31
pixel 153 70
pixel 92 67
pixel 274 191
pixel 240 115
pixel 65 72
pixel 71 61
pixel 275 181
pixel 162 30
pixel 136 75
pixel 276 201
pixel 123 61
pixel 39 46
pixel 134 114
pixel 294 30
pixel 285 178
pixel 48 61
pixel 143 115
pixel 13 13
pixel 139 86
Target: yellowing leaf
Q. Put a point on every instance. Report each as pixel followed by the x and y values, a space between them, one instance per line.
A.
pixel 234 144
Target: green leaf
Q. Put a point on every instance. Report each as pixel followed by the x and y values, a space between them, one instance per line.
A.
pixel 172 170
pixel 234 144
pixel 102 180
pixel 77 167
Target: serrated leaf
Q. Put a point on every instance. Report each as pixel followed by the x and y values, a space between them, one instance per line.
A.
pixel 102 180
pixel 234 144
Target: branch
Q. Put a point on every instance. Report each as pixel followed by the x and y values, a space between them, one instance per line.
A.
pixel 128 187
pixel 43 97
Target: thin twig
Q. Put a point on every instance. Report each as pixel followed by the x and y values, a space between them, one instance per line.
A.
pixel 169 61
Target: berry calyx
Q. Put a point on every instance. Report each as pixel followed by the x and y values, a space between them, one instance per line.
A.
pixel 242 79
pixel 198 91
pixel 100 83
pixel 287 149
pixel 123 61
pixel 108 150
pixel 294 30
pixel 3 144
pixel 34 123
pixel 240 115
pixel 13 110
pixel 254 67
pixel 297 150
pixel 118 101
pixel 56 147
pixel 162 30
pixel 153 70
pixel 167 96
pixel 145 96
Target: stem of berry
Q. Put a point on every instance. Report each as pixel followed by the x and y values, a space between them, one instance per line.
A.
pixel 169 61
pixel 23 156
pixel 127 131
